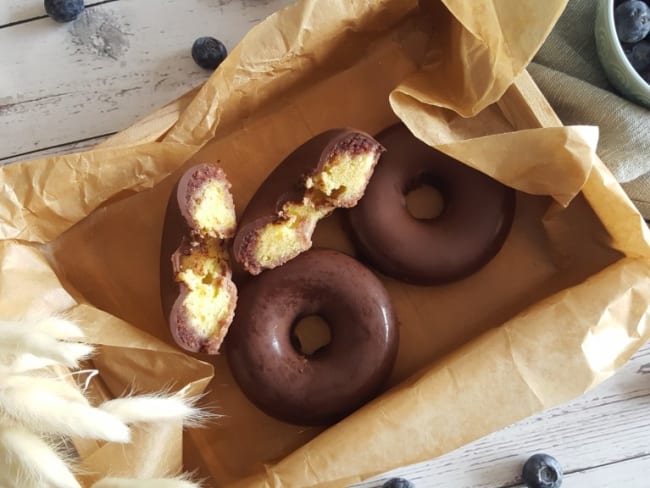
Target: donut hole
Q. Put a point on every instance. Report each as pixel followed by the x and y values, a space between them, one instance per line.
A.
pixel 310 334
pixel 424 201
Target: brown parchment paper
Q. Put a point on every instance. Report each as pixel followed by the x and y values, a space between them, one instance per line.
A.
pixel 560 308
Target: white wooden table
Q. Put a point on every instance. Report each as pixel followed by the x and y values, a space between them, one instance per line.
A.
pixel 64 88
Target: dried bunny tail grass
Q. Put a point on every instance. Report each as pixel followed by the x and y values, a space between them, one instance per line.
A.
pixel 56 327
pixel 46 411
pixel 23 363
pixel 157 408
pixel 180 482
pixel 25 460
pixel 59 328
pixel 42 384
pixel 16 340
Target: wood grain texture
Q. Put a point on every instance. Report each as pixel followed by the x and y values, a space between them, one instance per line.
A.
pixel 13 11
pixel 63 88
pixel 601 439
pixel 113 65
pixel 72 147
pixel 18 11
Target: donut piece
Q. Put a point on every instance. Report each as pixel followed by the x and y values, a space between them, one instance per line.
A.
pixel 330 170
pixel 325 386
pixel 475 220
pixel 197 294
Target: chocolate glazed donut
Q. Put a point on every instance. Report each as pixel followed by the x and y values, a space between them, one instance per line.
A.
pixel 475 220
pixel 198 296
pixel 327 385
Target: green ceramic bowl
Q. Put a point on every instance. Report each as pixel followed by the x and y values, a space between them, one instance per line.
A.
pixel 620 72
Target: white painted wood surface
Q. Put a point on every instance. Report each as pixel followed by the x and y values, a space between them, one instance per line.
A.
pixel 63 88
pixel 602 440
pixel 118 62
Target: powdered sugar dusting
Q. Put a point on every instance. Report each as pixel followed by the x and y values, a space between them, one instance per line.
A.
pixel 99 32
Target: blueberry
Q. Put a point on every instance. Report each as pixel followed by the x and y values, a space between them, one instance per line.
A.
pixel 64 10
pixel 208 52
pixel 639 55
pixel 542 471
pixel 632 19
pixel 398 483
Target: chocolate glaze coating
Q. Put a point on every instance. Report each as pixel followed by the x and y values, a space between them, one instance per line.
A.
pixel 179 236
pixel 286 182
pixel 326 386
pixel 476 218
pixel 176 236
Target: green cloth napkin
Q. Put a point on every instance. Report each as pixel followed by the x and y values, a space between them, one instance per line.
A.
pixel 568 72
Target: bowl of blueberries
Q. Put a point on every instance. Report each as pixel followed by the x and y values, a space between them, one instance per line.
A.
pixel 623 41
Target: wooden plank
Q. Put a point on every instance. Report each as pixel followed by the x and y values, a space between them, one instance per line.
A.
pixel 630 473
pixel 115 64
pixel 146 129
pixel 600 438
pixel 12 11
pixel 17 11
pixel 72 147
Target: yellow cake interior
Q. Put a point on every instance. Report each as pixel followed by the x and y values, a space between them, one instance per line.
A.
pixel 209 301
pixel 343 178
pixel 341 183
pixel 213 209
pixel 289 237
